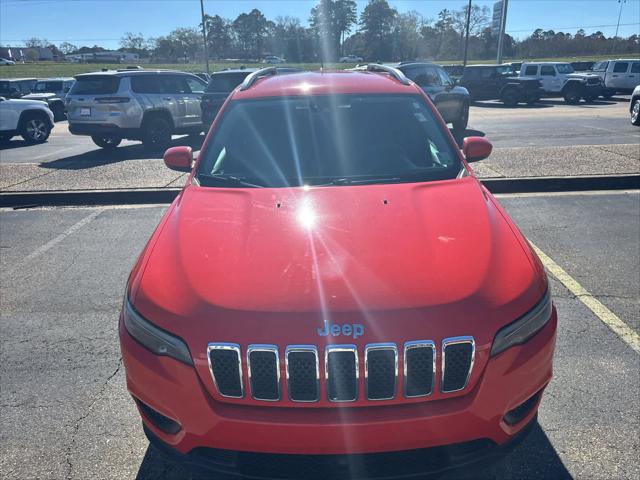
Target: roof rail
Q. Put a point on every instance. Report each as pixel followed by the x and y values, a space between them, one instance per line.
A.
pixel 394 72
pixel 252 77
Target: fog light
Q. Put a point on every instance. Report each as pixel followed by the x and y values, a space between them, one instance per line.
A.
pixel 517 414
pixel 161 422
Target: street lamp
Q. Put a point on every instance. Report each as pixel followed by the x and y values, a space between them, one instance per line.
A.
pixel 466 38
pixel 613 45
pixel 204 35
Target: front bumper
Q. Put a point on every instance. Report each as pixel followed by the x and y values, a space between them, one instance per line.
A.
pixel 370 466
pixel 176 391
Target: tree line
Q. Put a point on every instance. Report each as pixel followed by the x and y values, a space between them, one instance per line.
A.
pixel 379 33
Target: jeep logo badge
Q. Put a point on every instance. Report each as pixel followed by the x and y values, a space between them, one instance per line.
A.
pixel 335 330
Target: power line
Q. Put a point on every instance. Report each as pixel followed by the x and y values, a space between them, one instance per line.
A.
pixel 569 28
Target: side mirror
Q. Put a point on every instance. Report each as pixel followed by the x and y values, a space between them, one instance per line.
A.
pixel 476 148
pixel 179 158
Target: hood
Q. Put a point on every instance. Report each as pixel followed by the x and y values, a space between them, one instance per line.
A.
pixel 347 248
pixel 40 96
pixel 26 101
pixel 582 75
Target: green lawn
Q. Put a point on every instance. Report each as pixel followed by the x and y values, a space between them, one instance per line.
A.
pixel 52 69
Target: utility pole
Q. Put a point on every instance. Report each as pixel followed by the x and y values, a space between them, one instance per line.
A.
pixel 613 45
pixel 466 38
pixel 503 24
pixel 204 35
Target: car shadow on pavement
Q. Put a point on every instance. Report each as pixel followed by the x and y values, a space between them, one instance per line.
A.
pixel 533 459
pixel 100 157
pixel 523 106
pixel 11 144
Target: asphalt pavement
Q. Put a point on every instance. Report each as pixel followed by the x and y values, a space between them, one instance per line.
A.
pixel 547 139
pixel 65 412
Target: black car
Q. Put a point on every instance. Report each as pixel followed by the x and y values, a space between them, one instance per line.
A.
pixel 498 82
pixel 451 101
pixel 222 83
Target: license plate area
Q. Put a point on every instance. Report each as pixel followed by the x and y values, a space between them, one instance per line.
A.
pixel 85 112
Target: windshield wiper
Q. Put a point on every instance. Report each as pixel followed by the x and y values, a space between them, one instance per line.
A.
pixel 356 181
pixel 226 180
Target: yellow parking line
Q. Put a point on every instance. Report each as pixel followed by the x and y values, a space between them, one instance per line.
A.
pixel 605 315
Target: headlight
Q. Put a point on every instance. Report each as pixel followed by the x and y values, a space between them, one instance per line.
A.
pixel 153 338
pixel 524 328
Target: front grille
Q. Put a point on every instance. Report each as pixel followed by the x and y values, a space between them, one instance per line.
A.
pixel 457 361
pixel 264 372
pixel 303 375
pixel 224 364
pixel 341 364
pixel 419 368
pixel 382 365
pixel 381 371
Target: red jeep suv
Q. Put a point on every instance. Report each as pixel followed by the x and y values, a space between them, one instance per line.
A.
pixel 334 294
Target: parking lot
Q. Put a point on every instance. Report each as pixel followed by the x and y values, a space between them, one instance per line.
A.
pixel 547 139
pixel 65 411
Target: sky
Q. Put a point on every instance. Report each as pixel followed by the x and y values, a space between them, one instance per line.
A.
pixel 103 22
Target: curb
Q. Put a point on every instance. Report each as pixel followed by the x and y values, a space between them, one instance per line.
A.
pixel 140 196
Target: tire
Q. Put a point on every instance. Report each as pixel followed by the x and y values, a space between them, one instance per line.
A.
pixel 460 123
pixel 35 128
pixel 156 133
pixel 635 112
pixel 572 95
pixel 106 142
pixel 608 94
pixel 589 99
pixel 510 97
pixel 58 112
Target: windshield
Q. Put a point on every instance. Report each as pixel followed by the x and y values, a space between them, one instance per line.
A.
pixel 42 87
pixel 320 140
pixel 564 68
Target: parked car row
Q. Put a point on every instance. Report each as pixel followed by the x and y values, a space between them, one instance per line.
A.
pixel 49 90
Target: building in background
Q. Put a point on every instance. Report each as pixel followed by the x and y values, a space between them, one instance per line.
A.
pixel 27 54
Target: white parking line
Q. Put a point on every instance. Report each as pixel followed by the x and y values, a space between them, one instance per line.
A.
pixel 606 316
pixel 53 242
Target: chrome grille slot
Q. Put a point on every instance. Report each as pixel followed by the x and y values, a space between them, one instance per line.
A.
pixel 419 368
pixel 457 362
pixel 341 371
pixel 226 368
pixel 303 374
pixel 264 372
pixel 381 370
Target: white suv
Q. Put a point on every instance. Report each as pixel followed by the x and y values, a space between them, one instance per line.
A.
pixel 135 104
pixel 30 118
pixel 558 79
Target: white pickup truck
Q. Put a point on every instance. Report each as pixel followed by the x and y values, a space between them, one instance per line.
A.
pixel 30 118
pixel 621 75
pixel 558 79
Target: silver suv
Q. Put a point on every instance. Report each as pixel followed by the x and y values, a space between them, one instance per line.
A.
pixel 135 104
